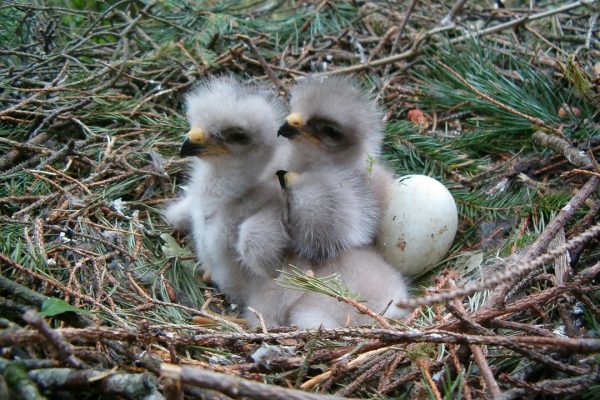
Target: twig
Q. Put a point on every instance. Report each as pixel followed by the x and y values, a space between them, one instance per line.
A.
pixel 415 51
pixel 387 336
pixel 9 158
pixel 64 350
pixel 261 320
pixel 423 364
pixel 487 313
pixel 396 43
pixel 194 311
pixel 275 67
pixel 557 386
pixel 377 366
pixel 551 231
pixel 25 146
pixel 22 387
pixel 512 325
pixel 486 372
pixel 577 171
pixel 234 386
pixel 588 303
pixel 480 359
pixel 311 17
pixel 361 359
pixel 264 64
pixel 562 146
pixel 386 377
pixel 108 383
pixel 70 179
pixel 361 308
pixel 411 7
pixel 588 37
pixel 449 18
pixel 410 376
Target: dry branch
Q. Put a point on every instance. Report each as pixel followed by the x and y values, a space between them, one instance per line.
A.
pixel 64 350
pixel 236 387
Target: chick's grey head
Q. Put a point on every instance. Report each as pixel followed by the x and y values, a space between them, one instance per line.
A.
pixel 232 124
pixel 333 121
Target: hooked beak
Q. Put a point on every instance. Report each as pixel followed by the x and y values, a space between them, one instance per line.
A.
pixel 188 148
pixel 292 126
pixel 196 143
pixel 281 177
pixel 288 131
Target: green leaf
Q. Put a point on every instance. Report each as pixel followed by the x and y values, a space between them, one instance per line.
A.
pixel 53 306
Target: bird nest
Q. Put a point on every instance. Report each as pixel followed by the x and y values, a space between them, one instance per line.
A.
pixel 100 298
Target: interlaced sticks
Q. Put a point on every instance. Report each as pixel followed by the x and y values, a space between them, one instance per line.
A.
pixel 512 271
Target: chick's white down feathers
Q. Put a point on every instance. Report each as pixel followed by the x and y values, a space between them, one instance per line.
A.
pixel 235 208
pixel 336 203
pixel 362 270
pixel 330 211
pixel 226 190
pixel 340 101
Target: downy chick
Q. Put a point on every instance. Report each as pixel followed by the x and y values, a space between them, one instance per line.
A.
pixel 364 272
pixel 231 189
pixel 335 134
pixel 332 122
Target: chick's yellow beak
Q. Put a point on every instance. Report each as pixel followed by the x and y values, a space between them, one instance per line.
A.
pixel 292 126
pixel 198 143
pixel 286 178
pixel 197 136
pixel 295 120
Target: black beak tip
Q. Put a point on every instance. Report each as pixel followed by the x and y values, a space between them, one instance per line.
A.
pixel 281 176
pixel 189 149
pixel 287 131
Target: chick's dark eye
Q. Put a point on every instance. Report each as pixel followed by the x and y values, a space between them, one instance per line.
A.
pixel 326 130
pixel 332 133
pixel 236 136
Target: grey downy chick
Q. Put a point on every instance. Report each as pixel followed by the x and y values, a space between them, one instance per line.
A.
pixel 364 272
pixel 231 189
pixel 361 269
pixel 335 132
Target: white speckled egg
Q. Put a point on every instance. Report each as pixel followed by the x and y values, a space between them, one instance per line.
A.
pixel 419 224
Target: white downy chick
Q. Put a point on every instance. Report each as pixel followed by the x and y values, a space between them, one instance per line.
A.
pixel 231 188
pixel 363 271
